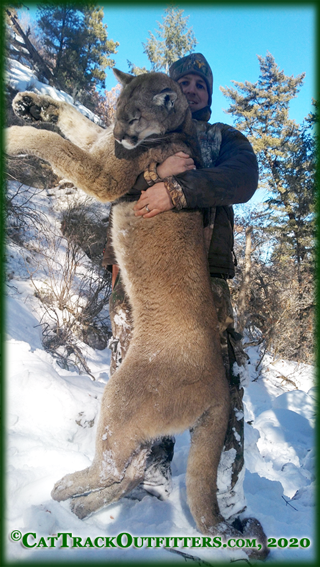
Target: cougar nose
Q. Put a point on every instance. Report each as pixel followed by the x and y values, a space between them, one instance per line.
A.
pixel 118 132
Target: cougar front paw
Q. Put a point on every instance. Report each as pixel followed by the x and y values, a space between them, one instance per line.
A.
pixel 35 108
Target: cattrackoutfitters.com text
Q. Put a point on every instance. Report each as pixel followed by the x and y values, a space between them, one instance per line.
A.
pixel 125 540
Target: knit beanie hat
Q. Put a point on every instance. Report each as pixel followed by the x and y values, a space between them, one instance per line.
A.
pixel 193 63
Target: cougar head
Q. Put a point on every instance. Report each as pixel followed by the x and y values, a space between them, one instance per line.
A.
pixel 149 106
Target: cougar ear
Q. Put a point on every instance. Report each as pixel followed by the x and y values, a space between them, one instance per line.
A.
pixel 123 78
pixel 166 97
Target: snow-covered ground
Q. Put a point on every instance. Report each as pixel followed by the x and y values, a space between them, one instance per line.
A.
pixel 51 418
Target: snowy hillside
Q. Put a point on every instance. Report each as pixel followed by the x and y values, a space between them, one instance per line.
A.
pixel 51 419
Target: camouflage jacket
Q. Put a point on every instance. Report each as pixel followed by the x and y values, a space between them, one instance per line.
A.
pixel 230 176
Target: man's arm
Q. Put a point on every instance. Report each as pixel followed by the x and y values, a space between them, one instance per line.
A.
pixel 234 179
pixel 177 163
pixel 157 197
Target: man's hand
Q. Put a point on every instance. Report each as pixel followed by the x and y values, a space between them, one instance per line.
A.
pixel 156 199
pixel 178 163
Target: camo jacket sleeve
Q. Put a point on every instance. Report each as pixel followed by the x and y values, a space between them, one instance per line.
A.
pixel 230 175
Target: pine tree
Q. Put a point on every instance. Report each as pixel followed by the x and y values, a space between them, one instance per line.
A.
pixel 261 111
pixel 286 155
pixel 76 46
pixel 96 48
pixel 293 216
pixel 174 40
pixel 170 42
pixel 134 70
pixel 56 25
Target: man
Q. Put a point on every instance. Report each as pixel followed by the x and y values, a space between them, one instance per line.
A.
pixel 230 176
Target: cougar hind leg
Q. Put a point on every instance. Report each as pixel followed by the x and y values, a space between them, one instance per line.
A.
pixel 120 434
pixel 83 506
pixel 109 467
pixel 207 438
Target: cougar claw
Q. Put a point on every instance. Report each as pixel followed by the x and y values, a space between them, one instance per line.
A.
pixel 34 108
pixel 25 108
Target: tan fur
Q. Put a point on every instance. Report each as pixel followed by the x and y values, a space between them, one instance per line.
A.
pixel 172 377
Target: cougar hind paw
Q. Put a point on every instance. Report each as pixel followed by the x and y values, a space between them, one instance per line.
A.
pixel 85 505
pixel 76 484
pixel 34 108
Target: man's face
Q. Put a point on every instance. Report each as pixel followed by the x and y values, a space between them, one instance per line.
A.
pixel 195 89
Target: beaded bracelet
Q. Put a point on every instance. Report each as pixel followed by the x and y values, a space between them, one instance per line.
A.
pixel 174 189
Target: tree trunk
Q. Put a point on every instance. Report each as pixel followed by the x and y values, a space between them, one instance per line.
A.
pixel 242 303
pixel 35 56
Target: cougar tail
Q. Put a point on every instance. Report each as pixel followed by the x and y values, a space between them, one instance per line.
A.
pixel 207 438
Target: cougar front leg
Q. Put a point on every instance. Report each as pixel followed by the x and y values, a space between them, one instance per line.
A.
pixel 67 160
pixel 159 154
pixel 35 108
pixel 73 124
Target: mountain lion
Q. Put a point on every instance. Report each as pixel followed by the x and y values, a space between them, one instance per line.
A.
pixel 172 377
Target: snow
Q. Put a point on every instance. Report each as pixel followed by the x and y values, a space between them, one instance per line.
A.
pixel 51 424
pixel 51 420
